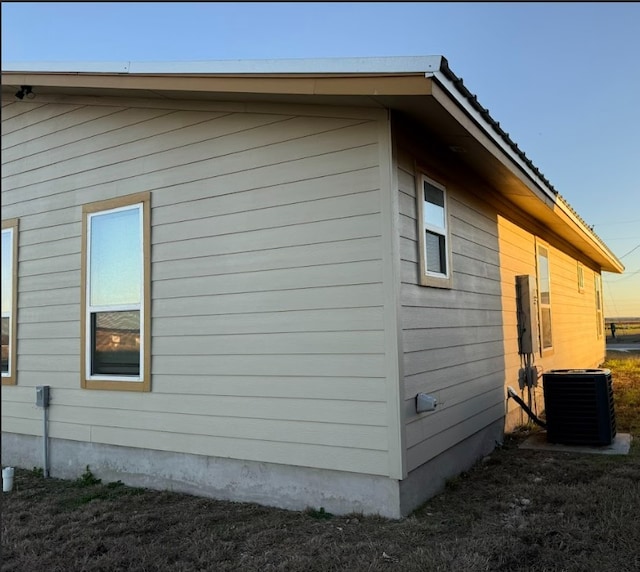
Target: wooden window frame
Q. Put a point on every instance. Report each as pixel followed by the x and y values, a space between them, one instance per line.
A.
pixel 11 377
pixel 580 271
pixel 597 284
pixel 544 351
pixel 117 382
pixel 427 278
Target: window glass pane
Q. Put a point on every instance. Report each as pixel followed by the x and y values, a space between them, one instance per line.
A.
pixel 543 270
pixel 7 298
pixel 116 343
pixel 116 258
pixel 433 206
pixel 436 253
pixel 546 328
pixel 6 330
pixel 7 258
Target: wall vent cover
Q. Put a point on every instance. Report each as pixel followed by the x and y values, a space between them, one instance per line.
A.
pixel 579 406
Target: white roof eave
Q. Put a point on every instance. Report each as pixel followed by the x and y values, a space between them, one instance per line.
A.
pixel 383 65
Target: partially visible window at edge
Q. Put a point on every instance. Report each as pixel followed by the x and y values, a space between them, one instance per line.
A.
pixel 9 247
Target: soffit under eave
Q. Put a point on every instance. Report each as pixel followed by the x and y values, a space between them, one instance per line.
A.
pixel 477 150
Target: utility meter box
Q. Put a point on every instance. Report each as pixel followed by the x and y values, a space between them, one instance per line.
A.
pixel 527 307
pixel 42 395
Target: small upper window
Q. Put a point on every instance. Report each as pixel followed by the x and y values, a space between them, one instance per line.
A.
pixel 116 308
pixel 433 234
pixel 9 300
pixel 580 278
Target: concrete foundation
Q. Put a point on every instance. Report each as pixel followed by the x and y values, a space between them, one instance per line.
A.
pixel 270 484
pixel 430 479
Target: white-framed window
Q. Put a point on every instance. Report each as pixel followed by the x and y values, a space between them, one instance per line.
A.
pixel 544 298
pixel 9 300
pixel 433 233
pixel 116 273
pixel 597 280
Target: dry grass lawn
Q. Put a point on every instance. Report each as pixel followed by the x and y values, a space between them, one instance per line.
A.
pixel 516 510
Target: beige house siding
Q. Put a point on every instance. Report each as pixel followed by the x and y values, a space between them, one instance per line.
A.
pixel 452 338
pixel 573 311
pixel 460 343
pixel 268 321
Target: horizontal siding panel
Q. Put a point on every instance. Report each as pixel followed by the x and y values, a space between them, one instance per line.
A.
pixel 440 442
pixel 413 296
pixel 322 209
pixel 26 126
pixel 296 278
pixel 429 338
pixel 49 265
pixel 435 380
pixel 12 108
pixel 234 196
pixel 290 387
pixel 267 344
pixel 94 128
pixel 20 425
pixel 68 313
pixel 459 380
pixel 175 167
pixel 422 428
pixel 56 297
pixel 49 249
pixel 327 320
pixel 363 226
pixel 358 365
pixel 353 296
pixel 192 140
pixel 48 346
pixel 449 317
pixel 54 280
pixel 148 137
pixel 368 413
pixel 62 430
pixel 429 360
pixel 59 363
pixel 46 235
pixel 354 250
pixel 327 457
pixel 310 433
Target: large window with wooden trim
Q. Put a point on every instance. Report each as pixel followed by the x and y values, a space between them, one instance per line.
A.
pixel 544 298
pixel 9 299
pixel 116 294
pixel 433 233
pixel 597 279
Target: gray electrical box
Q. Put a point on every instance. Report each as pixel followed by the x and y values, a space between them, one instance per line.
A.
pixel 527 308
pixel 425 402
pixel 42 395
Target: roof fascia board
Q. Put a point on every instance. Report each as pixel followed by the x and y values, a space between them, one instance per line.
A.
pixel 356 66
pixel 290 85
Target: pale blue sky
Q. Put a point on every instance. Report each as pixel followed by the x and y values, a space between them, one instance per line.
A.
pixel 563 79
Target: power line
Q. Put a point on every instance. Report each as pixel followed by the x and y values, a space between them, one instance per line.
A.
pixel 628 253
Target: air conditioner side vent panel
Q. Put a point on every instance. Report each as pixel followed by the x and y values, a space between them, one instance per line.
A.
pixel 579 406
